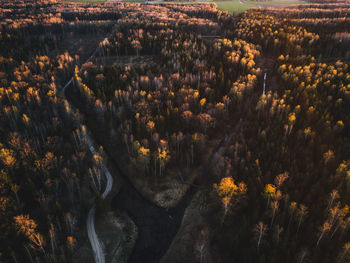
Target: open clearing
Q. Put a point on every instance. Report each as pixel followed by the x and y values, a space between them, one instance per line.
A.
pixel 238 6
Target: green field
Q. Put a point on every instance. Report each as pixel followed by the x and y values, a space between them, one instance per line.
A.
pixel 233 6
pixel 237 6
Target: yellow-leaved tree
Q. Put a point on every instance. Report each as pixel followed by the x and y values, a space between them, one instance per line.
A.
pixel 230 193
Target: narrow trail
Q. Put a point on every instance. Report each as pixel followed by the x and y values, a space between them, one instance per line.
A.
pixel 96 244
pixel 267 63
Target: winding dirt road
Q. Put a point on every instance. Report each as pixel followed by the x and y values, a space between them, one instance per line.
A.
pixel 96 244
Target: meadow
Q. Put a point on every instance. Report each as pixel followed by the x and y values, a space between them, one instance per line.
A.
pixel 237 6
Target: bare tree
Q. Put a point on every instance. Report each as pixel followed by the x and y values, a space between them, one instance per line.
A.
pixel 345 253
pixel 291 209
pixel 302 255
pixel 302 212
pixel 15 189
pixel 323 230
pixel 332 197
pixel 274 206
pixel 201 244
pixel 280 179
pixel 52 234
pixel 260 231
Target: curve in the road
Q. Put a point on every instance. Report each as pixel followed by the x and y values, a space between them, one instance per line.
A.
pixel 96 244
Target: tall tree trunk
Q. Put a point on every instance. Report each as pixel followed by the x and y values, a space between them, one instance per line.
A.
pixel 301 217
pixel 273 217
pixel 30 255
pixel 319 239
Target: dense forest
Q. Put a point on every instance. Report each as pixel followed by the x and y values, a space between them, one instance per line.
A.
pixel 233 129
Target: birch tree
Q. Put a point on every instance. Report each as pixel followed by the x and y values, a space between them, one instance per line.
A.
pixel 230 193
pixel 260 231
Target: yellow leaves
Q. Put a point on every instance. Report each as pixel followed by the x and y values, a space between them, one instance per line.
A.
pixel 270 190
pixel 51 93
pixel 136 145
pixel 25 118
pixel 311 109
pixel 219 106
pixel 346 246
pixel 292 206
pixel 150 125
pixel 202 102
pixel 307 131
pixel 327 156
pixel 71 241
pixel 340 124
pixel 243 61
pixel 242 188
pixel 144 151
pixel 227 188
pixel 3 203
pixel 7 157
pixel 163 144
pixel 283 68
pixel 343 170
pixel 98 158
pixel 41 65
pixel 291 118
pixel 250 64
pixel 325 227
pixel 15 96
pixel 163 155
pixel 195 137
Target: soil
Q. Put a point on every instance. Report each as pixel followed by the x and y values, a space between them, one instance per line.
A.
pixel 183 247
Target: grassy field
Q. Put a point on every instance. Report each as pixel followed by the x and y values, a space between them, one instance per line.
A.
pixel 231 6
pixel 234 7
pixel 237 6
